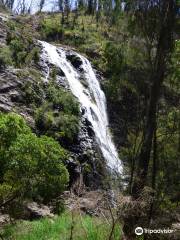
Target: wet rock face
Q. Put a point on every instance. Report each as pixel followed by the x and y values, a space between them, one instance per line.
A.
pixel 11 95
pixel 75 60
pixel 3 30
pixel 86 159
pixel 9 85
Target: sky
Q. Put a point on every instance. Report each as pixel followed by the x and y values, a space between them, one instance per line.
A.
pixel 48 6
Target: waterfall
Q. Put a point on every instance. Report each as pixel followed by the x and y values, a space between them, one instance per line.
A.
pixel 91 98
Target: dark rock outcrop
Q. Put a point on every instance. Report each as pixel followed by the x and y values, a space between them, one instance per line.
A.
pixel 11 93
pixel 74 59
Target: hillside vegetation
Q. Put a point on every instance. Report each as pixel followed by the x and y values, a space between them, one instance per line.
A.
pixel 62 228
pixel 136 52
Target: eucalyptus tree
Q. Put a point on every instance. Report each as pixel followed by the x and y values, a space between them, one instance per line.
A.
pixel 41 5
pixel 154 23
pixel 7 3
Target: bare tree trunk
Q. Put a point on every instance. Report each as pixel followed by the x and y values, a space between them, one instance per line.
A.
pixel 41 5
pixel 132 174
pixel 154 172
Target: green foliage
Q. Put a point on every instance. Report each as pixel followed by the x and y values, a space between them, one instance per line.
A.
pixel 125 87
pixel 21 45
pixel 11 125
pixel 129 67
pixel 59 207
pixel 33 56
pixel 41 158
pixel 5 57
pixel 85 228
pixel 59 115
pixel 62 99
pixel 51 30
pixel 69 126
pixel 114 57
pixel 33 92
pixel 31 166
pixel 173 79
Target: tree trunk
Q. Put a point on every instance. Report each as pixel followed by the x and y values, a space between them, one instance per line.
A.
pixel 165 42
pixel 154 172
pixel 164 48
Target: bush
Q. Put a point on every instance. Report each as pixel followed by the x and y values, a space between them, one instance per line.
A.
pixel 62 99
pixel 61 126
pixel 5 57
pixel 34 55
pixel 37 164
pixel 11 126
pixel 69 126
pixel 33 92
pixel 59 115
pixel 30 166
pixel 51 30
pixel 22 46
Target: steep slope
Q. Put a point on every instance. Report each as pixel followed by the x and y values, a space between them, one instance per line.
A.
pixel 25 89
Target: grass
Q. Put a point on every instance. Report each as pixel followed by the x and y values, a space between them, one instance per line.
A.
pixel 59 228
pixel 85 35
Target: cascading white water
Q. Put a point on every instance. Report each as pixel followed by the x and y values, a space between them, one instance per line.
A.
pixel 92 99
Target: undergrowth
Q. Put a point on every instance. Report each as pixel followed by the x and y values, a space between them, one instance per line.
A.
pixel 66 226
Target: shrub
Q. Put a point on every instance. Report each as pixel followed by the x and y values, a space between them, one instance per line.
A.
pixel 61 126
pixel 62 99
pixel 22 46
pixel 34 55
pixel 5 57
pixel 11 125
pixel 30 166
pixel 37 164
pixel 59 115
pixel 32 92
pixel 51 30
pixel 69 126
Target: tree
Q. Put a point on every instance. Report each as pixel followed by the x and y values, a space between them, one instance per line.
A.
pixel 156 21
pixel 162 36
pixel 41 5
pixel 60 4
pixel 31 167
pixel 11 125
pixel 8 3
pixel 90 7
pixel 37 165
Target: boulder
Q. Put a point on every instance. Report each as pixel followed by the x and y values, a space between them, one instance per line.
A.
pixel 74 59
pixel 4 219
pixel 36 211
